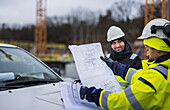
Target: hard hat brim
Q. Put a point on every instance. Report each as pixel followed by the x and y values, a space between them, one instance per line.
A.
pixel 115 38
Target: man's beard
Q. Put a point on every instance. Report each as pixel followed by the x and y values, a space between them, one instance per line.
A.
pixel 118 49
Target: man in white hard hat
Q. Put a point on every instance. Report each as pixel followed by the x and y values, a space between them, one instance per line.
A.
pixel 150 86
pixel 121 51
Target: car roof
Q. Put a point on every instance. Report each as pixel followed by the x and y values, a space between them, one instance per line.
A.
pixel 6 45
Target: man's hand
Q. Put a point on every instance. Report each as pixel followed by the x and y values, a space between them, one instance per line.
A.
pixel 108 61
pixel 83 91
pixel 91 94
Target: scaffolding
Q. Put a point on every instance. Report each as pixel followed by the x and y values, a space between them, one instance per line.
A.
pixel 150 7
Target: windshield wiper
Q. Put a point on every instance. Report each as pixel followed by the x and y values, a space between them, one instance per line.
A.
pixel 3 87
pixel 30 82
pixel 11 87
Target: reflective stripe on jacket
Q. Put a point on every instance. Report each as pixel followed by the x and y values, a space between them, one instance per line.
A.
pixel 122 82
pixel 149 89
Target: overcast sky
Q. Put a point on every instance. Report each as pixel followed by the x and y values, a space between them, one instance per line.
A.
pixel 24 11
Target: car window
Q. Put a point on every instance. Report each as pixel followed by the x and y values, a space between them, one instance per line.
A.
pixel 15 63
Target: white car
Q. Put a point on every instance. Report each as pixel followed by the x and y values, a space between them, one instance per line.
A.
pixel 26 83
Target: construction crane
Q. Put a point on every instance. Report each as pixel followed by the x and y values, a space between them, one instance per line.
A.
pixel 150 7
pixel 40 36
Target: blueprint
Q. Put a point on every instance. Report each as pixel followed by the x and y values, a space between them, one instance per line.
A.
pixel 71 98
pixel 91 69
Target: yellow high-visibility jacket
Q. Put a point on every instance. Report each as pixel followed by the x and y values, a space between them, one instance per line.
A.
pixel 149 88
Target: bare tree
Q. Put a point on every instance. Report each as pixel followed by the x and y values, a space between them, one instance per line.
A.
pixel 122 10
pixel 82 19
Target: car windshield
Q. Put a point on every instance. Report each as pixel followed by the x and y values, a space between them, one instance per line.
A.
pixel 19 67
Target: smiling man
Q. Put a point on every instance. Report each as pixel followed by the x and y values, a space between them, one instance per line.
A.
pixel 121 51
pixel 118 45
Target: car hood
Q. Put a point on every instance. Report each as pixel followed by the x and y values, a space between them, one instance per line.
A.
pixel 42 97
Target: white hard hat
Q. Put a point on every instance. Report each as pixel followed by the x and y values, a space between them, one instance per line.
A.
pixel 156 28
pixel 113 33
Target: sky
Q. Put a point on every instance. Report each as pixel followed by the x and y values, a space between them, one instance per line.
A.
pixel 24 11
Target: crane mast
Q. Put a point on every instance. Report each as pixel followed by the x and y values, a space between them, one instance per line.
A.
pixel 40 36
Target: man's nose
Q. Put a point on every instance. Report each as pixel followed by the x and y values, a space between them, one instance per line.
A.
pixel 117 45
